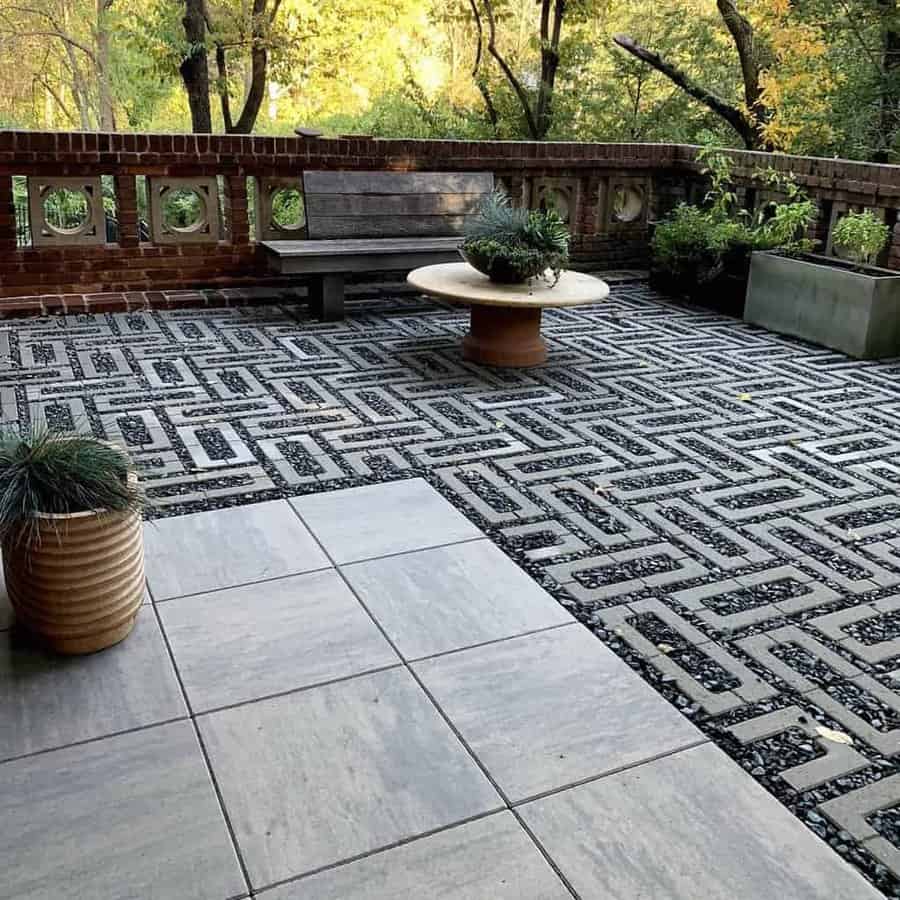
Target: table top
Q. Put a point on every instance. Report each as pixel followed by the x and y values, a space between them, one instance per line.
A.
pixel 460 282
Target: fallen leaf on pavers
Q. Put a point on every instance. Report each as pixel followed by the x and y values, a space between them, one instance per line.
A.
pixel 838 737
pixel 745 396
pixel 665 648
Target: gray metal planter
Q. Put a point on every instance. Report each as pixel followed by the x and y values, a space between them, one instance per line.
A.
pixel 826 301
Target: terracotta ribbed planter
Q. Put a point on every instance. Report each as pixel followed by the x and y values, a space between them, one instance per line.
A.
pixel 80 588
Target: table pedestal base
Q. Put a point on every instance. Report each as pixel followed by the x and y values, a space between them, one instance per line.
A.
pixel 505 336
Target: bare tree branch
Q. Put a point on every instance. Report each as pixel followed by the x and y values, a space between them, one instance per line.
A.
pixel 518 88
pixel 732 114
pixel 479 79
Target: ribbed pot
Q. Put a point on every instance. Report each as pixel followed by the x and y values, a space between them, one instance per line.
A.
pixel 79 588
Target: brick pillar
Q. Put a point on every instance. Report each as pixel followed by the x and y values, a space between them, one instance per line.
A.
pixel 236 209
pixel 7 215
pixel 127 210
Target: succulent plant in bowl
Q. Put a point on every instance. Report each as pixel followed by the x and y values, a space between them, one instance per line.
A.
pixel 512 245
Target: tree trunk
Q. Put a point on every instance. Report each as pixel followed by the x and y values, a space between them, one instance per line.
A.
pixel 889 99
pixel 107 111
pixel 550 36
pixel 194 68
pixel 748 122
pixel 539 118
pixel 259 64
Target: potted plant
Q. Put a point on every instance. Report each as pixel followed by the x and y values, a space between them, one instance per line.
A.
pixel 845 304
pixel 71 534
pixel 703 252
pixel 512 245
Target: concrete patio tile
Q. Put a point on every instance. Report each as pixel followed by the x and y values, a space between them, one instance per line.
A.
pixel 550 709
pixel 134 815
pixel 224 548
pixel 48 700
pixel 315 777
pixel 443 599
pixel 687 826
pixel 266 638
pixel 380 519
pixel 489 859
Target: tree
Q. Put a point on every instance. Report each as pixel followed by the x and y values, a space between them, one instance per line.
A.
pixel 194 67
pixel 255 33
pixel 747 119
pixel 65 47
pixel 536 109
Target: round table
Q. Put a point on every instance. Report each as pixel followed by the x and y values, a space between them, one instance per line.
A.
pixel 505 323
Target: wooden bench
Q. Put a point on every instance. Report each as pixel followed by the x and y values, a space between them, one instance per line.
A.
pixel 376 222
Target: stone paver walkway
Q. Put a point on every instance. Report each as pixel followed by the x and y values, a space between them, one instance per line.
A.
pixel 356 696
pixel 719 505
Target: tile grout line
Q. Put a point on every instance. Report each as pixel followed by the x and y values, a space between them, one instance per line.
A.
pixel 205 754
pixel 444 716
pixel 384 848
pixel 331 565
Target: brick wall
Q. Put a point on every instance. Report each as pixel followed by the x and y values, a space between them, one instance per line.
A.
pixel 588 175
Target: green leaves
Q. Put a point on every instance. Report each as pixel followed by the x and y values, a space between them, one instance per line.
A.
pixel 49 472
pixel 861 235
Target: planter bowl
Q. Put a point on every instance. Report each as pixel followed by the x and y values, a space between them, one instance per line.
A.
pixel 501 270
pixel 80 588
pixel 827 301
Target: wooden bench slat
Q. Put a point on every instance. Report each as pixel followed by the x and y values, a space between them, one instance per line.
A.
pixel 391 204
pixel 323 227
pixel 337 182
pixel 360 245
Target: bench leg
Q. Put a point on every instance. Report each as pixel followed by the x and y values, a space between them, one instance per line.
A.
pixel 326 297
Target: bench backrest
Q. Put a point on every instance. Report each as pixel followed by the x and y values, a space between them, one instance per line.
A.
pixel 391 204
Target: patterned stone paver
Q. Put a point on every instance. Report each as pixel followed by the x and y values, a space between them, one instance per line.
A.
pixel 718 504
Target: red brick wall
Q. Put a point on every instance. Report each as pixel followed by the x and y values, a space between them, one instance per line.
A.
pixel 130 266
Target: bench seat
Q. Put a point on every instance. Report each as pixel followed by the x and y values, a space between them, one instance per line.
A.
pixel 375 222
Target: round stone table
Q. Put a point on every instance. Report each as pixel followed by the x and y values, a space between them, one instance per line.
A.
pixel 505 323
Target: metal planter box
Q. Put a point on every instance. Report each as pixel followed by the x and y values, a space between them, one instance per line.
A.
pixel 826 301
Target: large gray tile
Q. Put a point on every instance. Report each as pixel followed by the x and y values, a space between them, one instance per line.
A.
pixel 131 816
pixel 49 701
pixel 260 639
pixel 223 548
pixel 322 775
pixel 451 597
pixel 688 826
pixel 550 709
pixel 489 859
pixel 378 519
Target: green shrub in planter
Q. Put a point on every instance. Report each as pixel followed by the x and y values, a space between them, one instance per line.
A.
pixel 512 245
pixel 862 236
pixel 704 251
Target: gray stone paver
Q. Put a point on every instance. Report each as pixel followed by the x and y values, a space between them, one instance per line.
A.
pixel 50 701
pixel 197 553
pixel 316 777
pixel 361 523
pixel 433 601
pixel 128 816
pixel 687 826
pixel 515 705
pixel 242 643
pixel 489 859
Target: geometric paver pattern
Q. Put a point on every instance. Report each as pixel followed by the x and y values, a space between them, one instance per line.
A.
pixel 342 770
pixel 720 505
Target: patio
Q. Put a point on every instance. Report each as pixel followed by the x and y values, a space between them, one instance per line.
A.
pixel 717 504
